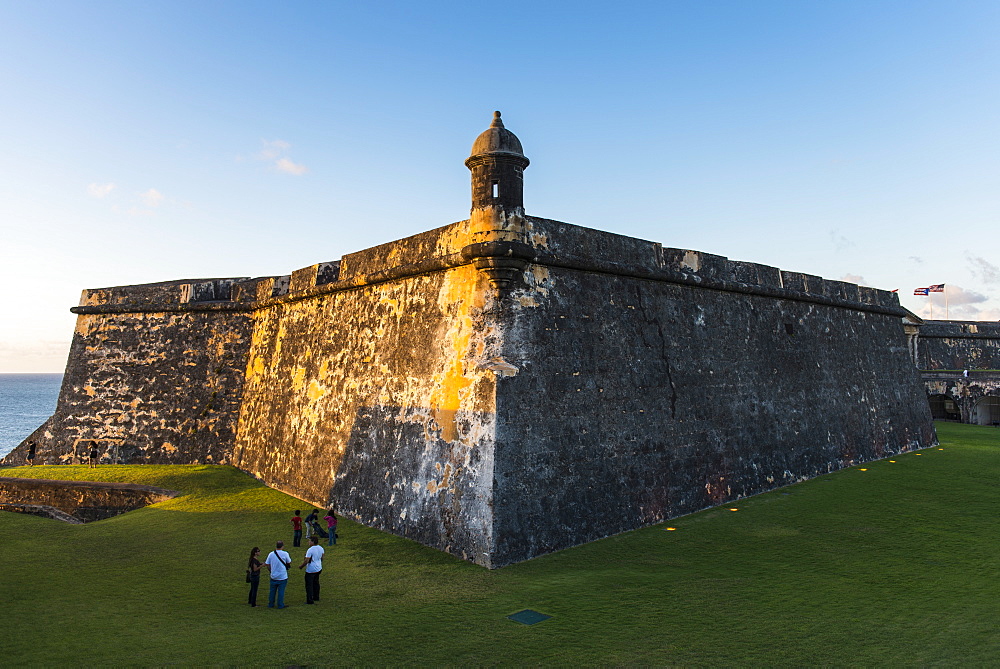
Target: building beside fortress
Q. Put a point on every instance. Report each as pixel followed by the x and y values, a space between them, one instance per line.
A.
pixel 501 387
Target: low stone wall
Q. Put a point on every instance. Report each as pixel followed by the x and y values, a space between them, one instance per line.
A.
pixel 40 510
pixel 83 500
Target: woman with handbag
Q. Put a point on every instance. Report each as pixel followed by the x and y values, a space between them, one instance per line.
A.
pixel 253 575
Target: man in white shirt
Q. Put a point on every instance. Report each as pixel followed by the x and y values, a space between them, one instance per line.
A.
pixel 314 565
pixel 278 562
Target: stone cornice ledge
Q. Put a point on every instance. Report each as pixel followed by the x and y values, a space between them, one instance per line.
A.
pixel 960 335
pixel 488 256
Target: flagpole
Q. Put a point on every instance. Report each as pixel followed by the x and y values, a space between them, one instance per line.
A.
pixel 930 303
pixel 946 315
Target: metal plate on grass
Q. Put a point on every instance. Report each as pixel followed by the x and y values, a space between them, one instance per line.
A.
pixel 528 617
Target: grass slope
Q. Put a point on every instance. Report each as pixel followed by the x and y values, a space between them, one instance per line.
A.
pixel 895 565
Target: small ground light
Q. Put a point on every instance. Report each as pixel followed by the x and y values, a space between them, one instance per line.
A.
pixel 671 529
pixel 734 509
pixel 891 460
pixel 940 449
pixel 862 470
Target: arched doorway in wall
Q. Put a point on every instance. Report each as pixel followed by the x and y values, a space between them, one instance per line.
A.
pixel 987 411
pixel 944 408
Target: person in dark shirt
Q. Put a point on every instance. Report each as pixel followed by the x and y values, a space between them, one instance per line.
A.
pixel 31 454
pixel 93 454
pixel 311 522
pixel 253 575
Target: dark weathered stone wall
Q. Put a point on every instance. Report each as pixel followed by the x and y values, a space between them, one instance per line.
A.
pixel 614 384
pixel 83 500
pixel 148 386
pixel 640 400
pixel 374 398
pixel 959 345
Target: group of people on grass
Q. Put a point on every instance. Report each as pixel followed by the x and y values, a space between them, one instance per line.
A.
pixel 312 522
pixel 278 561
pixel 33 449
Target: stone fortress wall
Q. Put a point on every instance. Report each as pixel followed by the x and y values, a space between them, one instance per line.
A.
pixel 155 374
pixel 682 380
pixel 959 345
pixel 501 387
pixel 959 362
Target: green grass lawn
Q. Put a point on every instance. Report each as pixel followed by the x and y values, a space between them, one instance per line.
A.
pixel 896 565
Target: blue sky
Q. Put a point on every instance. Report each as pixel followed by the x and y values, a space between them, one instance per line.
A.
pixel 147 141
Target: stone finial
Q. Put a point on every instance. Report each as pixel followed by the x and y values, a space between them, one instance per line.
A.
pixel 497 141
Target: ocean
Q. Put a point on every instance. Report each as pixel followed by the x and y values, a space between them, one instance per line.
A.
pixel 26 400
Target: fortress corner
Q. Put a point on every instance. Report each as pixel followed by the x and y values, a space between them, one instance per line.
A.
pixel 500 387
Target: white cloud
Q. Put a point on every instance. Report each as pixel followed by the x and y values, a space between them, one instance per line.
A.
pixel 839 241
pixel 151 198
pixel 989 315
pixel 854 278
pixel 100 190
pixel 957 296
pixel 961 305
pixel 286 165
pixel 960 311
pixel 273 148
pixel 276 151
pixel 983 269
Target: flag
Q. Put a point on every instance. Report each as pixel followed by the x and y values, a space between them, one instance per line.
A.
pixel 921 291
pixel 936 288
pixel 894 290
